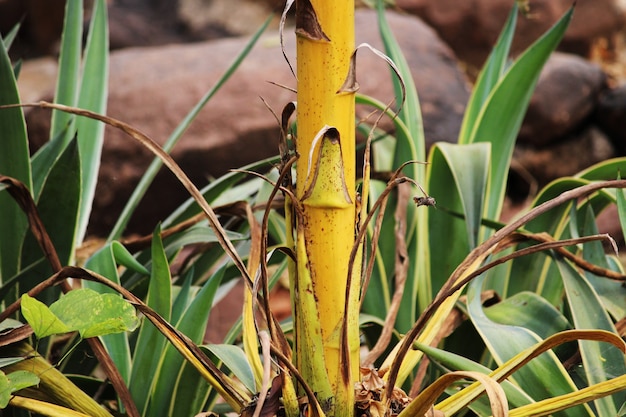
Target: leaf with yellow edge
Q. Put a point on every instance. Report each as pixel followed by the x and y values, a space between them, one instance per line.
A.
pixel 457 401
pixel 423 402
pixel 440 309
pixel 250 344
pixel 562 402
pixel 250 335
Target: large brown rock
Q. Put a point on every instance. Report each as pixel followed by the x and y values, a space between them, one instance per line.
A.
pixel 153 89
pixel 471 27
pixel 610 115
pixel 41 23
pixel 566 95
pixel 567 157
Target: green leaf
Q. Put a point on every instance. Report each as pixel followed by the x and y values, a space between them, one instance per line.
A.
pixel 528 310
pixel 200 233
pixel 185 295
pixel 235 359
pixel 4 362
pixel 150 342
pixel 621 207
pixel 62 128
pixel 13 382
pixel 605 170
pixel 43 321
pixel 489 76
pixel 410 146
pixel 93 314
pixel 69 71
pixel 174 393
pixel 221 191
pixel 14 162
pixel 501 116
pixel 93 96
pixel 58 207
pixel 22 379
pixel 117 345
pixel 533 273
pixel 515 396
pixel 600 360
pixel 469 167
pixel 543 377
pixel 457 179
pixel 612 293
pixel 10 37
pixel 5 390
pixel 125 258
pixel 378 296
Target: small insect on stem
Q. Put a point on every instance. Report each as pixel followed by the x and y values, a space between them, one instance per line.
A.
pixel 425 201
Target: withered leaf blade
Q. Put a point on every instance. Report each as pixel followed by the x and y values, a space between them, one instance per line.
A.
pixel 307 24
pixel 350 85
pixel 281 29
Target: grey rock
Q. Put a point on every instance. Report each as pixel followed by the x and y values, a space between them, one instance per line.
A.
pixel 610 115
pixel 567 157
pixel 567 92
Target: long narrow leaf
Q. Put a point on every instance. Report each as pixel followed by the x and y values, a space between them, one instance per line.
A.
pixel 150 342
pixel 93 96
pixel 489 76
pixel 14 162
pixel 69 69
pixel 600 362
pixel 458 179
pixel 193 325
pixel 103 262
pixel 67 87
pixel 501 117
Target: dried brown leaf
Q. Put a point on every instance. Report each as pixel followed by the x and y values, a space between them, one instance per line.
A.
pixel 307 24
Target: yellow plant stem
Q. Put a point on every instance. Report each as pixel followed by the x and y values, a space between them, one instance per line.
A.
pixel 325 187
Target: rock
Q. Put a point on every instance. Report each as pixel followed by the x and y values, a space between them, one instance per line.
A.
pixel 610 115
pixel 564 158
pixel 153 89
pixel 472 27
pixel 608 222
pixel 41 25
pixel 36 76
pixel 241 17
pixel 567 93
pixel 155 22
